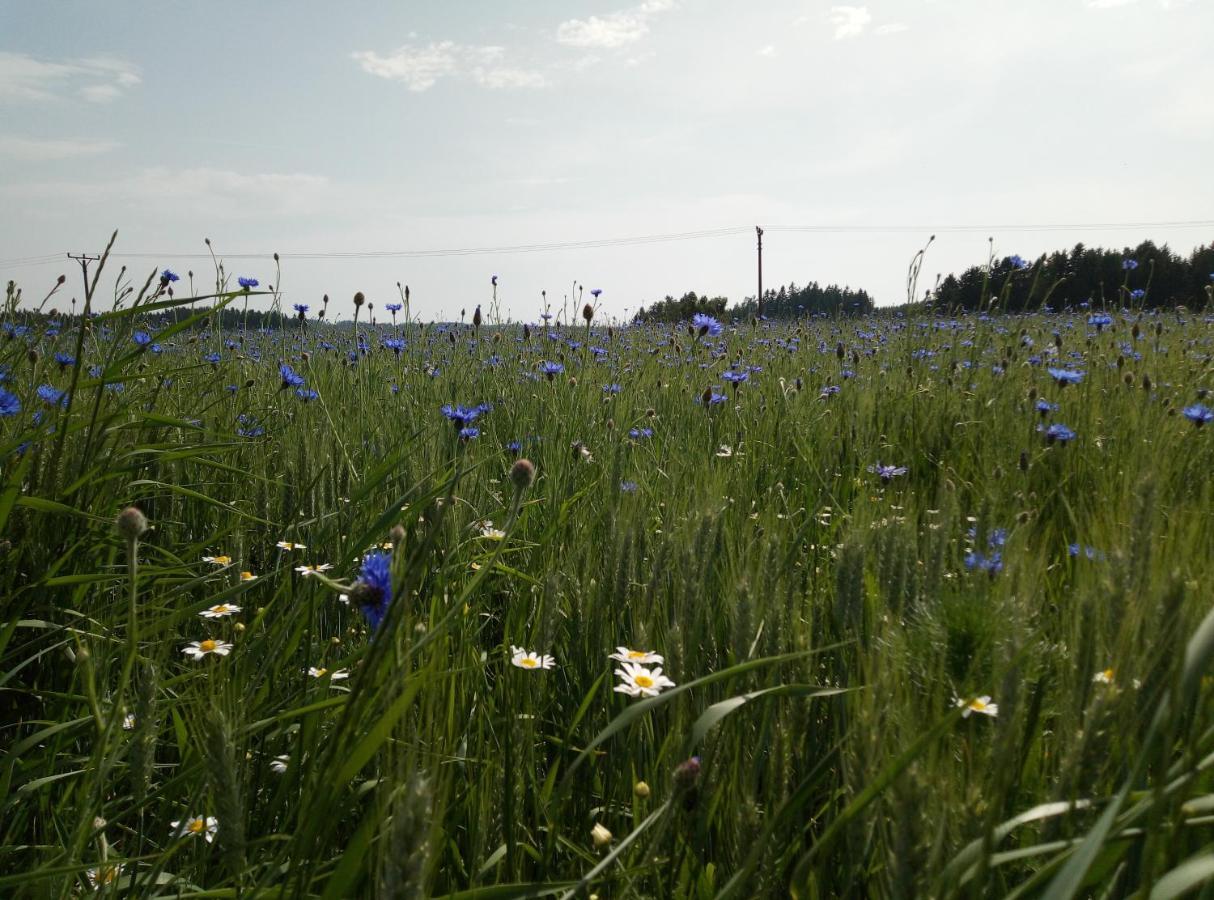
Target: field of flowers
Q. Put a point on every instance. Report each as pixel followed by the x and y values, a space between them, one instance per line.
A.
pixel 908 605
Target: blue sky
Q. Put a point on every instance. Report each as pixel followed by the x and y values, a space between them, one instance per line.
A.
pixel 309 126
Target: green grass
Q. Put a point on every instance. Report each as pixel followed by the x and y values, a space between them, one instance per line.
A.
pixel 819 624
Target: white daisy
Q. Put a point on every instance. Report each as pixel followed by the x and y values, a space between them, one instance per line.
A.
pixel 198 649
pixel 290 545
pixel 981 705
pixel 197 825
pixel 219 610
pixel 278 764
pixel 335 675
pixel 313 570
pixel 525 659
pixel 247 576
pixel 487 530
pixel 643 657
pixel 725 451
pixel 1104 676
pixel 641 682
pixel 103 875
pixel 218 560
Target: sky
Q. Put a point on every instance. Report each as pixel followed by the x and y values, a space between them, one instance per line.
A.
pixel 377 127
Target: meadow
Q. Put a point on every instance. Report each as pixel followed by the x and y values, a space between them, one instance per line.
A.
pixel 906 605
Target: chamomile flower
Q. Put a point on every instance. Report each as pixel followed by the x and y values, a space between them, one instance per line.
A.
pixel 637 681
pixel 103 876
pixel 600 835
pixel 219 610
pixel 218 560
pixel 1104 676
pixel 196 650
pixel 313 570
pixel 195 826
pixel 725 451
pixel 278 764
pixel 640 657
pixel 128 722
pixel 981 705
pixel 247 576
pixel 488 531
pixel 529 659
pixel 290 545
pixel 335 675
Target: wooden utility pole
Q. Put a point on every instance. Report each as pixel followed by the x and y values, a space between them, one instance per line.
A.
pixel 84 259
pixel 759 232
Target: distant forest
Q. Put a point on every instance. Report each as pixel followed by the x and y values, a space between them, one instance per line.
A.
pixel 1144 276
pixel 1148 275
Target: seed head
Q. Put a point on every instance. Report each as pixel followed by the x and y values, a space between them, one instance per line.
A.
pixel 359 299
pixel 522 474
pixel 131 523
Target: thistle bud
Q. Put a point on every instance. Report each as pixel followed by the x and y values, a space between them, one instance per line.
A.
pixel 61 279
pixel 587 313
pixel 359 299
pixel 397 535
pixel 522 474
pixel 641 790
pixel 131 523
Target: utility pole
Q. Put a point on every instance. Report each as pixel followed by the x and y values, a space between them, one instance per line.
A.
pixel 84 259
pixel 759 232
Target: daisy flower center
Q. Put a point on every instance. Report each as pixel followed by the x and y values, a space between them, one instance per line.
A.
pixel 197 825
pixel 207 646
pixel 637 654
pixel 643 681
pixel 528 662
pixel 977 705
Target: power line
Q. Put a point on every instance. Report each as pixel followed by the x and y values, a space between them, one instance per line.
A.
pixel 641 240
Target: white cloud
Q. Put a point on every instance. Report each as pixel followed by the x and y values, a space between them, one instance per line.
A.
pixel 892 28
pixel 31 149
pixel 613 30
pixel 849 21
pixel 420 68
pixel 768 51
pixel 200 193
pixel 1109 4
pixel 98 79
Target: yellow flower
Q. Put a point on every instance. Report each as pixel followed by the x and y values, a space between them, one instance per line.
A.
pixel 247 576
pixel 218 560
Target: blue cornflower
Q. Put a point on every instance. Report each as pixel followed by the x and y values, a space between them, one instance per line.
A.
pixel 1099 320
pixel 51 396
pixel 1198 414
pixel 467 434
pixel 611 389
pixel 706 325
pixel 551 369
pixel 829 390
pixel 638 433
pixel 301 308
pixel 372 592
pixel 992 564
pixel 628 487
pixel 64 360
pixel 1137 294
pixel 169 275
pixel 290 378
pixel 1045 407
pixel 735 377
pixel 247 283
pixel 396 345
pixel 231 388
pixel 1058 433
pixel 1065 376
pixel 711 398
pixel 514 446
pixel 595 293
pixel 142 338
pixel 887 473
pixel 1018 262
pixel 10 404
pixel 392 307
pixel 1076 550
pixel 212 357
pixel 463 416
pixel 306 394
pixel 1129 264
